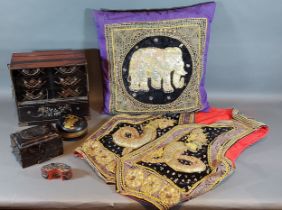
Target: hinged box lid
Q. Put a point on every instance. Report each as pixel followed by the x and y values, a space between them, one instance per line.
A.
pixel 34 135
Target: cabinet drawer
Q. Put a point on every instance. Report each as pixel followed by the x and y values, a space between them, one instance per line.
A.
pixel 39 113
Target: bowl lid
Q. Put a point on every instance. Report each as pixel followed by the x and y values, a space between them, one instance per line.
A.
pixel 71 123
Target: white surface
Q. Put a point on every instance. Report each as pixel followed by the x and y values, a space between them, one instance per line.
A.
pixel 256 184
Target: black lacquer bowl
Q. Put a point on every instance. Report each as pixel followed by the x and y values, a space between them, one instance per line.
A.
pixel 72 127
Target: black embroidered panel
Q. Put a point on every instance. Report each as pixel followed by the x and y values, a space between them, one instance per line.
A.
pixel 108 142
pixel 186 180
pixel 156 95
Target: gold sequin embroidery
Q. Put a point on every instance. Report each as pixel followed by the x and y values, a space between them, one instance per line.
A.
pixel 134 178
pixel 120 38
pixel 151 184
pixel 169 195
pixel 130 138
pixel 157 65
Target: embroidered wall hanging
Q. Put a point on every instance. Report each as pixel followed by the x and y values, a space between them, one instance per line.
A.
pixel 154 61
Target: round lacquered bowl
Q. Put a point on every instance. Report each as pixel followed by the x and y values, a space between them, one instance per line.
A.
pixel 72 127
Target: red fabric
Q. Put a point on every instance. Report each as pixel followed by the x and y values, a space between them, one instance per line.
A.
pixel 213 115
pixel 234 152
pixel 217 114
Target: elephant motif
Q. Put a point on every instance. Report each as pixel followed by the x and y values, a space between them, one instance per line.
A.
pixel 163 66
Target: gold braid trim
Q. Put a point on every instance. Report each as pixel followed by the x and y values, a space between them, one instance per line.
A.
pixel 244 125
pixel 120 38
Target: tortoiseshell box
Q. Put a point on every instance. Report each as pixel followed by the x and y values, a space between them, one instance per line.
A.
pixel 48 84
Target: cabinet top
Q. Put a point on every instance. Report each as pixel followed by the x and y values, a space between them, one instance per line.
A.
pixel 47 59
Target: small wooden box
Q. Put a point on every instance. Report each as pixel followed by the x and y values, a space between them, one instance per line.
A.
pixel 48 84
pixel 36 145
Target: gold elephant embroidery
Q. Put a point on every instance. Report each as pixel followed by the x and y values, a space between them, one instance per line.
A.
pixel 164 67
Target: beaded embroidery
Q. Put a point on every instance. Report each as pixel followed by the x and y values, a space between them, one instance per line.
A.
pixel 156 66
pixel 182 164
pixel 123 134
pixel 181 160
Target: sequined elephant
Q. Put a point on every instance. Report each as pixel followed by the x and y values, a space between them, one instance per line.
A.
pixel 163 67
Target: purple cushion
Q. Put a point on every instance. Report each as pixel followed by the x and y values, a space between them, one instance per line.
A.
pixel 128 41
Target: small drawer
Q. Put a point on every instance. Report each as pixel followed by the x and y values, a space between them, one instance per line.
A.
pixel 70 92
pixel 38 113
pixel 69 70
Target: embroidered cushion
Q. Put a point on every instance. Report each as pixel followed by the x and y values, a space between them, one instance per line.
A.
pixel 154 61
